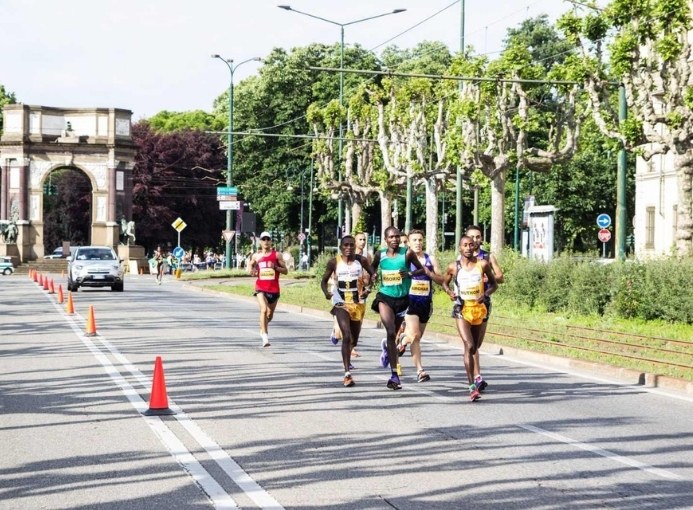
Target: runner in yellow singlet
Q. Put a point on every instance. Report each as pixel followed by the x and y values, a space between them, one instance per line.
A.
pixel 348 297
pixel 469 295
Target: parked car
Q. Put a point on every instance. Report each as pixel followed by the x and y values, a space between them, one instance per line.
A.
pixel 6 266
pixel 94 266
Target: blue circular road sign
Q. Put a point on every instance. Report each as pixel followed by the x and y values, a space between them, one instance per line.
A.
pixel 178 252
pixel 603 220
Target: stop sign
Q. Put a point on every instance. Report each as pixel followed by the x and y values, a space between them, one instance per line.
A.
pixel 604 235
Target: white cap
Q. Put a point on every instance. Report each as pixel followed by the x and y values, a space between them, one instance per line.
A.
pixel 265 234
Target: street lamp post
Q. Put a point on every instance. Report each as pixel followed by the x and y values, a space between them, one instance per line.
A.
pixel 340 206
pixel 229 151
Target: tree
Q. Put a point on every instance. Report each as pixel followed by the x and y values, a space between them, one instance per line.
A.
pixel 275 103
pixel 176 174
pixel 514 120
pixel 650 57
pixel 168 122
pixel 5 99
pixel 67 213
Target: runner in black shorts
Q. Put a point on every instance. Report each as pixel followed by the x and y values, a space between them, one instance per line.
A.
pixel 420 302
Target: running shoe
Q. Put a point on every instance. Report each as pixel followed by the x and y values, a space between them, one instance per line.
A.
pixel 401 348
pixel 351 367
pixel 384 358
pixel 423 376
pixel 474 395
pixel 265 340
pixel 334 339
pixel 348 380
pixel 355 353
pixel 394 383
pixel 480 384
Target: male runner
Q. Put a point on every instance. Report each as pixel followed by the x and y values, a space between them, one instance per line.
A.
pixel 361 239
pixel 420 303
pixel 159 259
pixel 349 297
pixel 469 295
pixel 392 300
pixel 474 232
pixel 266 265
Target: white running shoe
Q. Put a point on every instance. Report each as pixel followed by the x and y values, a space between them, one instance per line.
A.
pixel 265 340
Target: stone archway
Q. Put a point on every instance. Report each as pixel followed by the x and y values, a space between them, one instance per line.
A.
pixel 40 139
pixel 67 208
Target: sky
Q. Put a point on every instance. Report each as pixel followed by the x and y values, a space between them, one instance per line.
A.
pixel 152 55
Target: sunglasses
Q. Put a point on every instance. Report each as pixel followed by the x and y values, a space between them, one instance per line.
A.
pixel 265 239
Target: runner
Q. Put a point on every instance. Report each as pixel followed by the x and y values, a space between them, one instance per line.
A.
pixel 474 232
pixel 159 259
pixel 348 297
pixel 392 300
pixel 469 311
pixel 266 265
pixel 336 335
pixel 420 303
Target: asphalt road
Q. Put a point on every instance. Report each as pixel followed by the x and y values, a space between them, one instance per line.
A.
pixel 274 428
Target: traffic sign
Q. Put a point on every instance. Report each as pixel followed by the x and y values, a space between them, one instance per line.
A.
pixel 228 235
pixel 229 205
pixel 179 224
pixel 227 190
pixel 604 235
pixel 301 237
pixel 603 220
pixel 178 252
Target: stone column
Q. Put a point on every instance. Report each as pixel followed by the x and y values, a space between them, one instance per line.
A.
pixel 24 190
pixel 4 189
pixel 111 194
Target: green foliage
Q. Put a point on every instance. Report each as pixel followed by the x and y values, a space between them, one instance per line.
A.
pixel 198 120
pixel 5 99
pixel 632 129
pixel 651 290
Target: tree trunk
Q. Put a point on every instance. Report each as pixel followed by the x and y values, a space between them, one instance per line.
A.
pixel 684 223
pixel 355 215
pixel 498 211
pixel 431 215
pixel 385 214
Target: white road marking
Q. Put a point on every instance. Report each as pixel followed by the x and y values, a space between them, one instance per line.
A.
pixel 604 453
pixel 218 496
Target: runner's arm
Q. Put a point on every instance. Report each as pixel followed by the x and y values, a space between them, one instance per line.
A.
pixel 447 278
pixel 435 274
pixel 413 258
pixel 329 270
pixel 492 285
pixel 280 267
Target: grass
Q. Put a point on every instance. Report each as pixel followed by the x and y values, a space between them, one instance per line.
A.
pixel 633 342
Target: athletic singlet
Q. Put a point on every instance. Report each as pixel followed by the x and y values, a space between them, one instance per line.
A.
pixel 421 289
pixel 267 275
pixel 347 276
pixel 470 284
pixel 391 282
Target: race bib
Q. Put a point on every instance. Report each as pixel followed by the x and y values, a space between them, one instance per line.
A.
pixel 391 278
pixel 266 273
pixel 420 288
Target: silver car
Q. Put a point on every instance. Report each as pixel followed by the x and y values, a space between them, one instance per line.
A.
pixel 94 266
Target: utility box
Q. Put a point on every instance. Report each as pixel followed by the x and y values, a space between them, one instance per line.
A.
pixel 540 232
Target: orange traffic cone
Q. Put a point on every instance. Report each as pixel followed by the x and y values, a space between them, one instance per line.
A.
pixel 91 323
pixel 35 276
pixel 70 308
pixel 45 283
pixel 51 287
pixel 158 400
pixel 31 273
pixel 40 280
pixel 61 297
